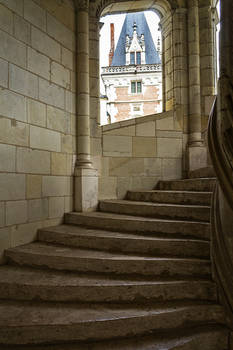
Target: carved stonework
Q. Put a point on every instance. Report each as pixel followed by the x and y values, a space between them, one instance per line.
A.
pixel 82 5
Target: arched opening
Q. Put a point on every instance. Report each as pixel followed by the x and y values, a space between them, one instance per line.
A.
pixel 130 66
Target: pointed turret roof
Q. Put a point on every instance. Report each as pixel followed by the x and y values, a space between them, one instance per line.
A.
pixel 152 56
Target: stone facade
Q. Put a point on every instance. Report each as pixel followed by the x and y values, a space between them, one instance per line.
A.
pixel 37 116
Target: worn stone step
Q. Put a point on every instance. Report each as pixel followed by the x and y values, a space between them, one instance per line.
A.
pixel 83 260
pixel 202 172
pixel 127 223
pixel 172 197
pixel 156 210
pixel 206 338
pixel 24 283
pixel 82 237
pixel 41 323
pixel 199 184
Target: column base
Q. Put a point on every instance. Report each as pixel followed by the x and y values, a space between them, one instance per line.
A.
pixel 196 157
pixel 85 189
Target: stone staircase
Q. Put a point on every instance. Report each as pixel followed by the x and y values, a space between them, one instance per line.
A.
pixel 135 275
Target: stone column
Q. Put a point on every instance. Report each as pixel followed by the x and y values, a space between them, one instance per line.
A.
pixel 197 154
pixel 86 180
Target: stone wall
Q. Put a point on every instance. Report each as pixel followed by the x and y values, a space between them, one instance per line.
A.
pixel 37 116
pixel 139 152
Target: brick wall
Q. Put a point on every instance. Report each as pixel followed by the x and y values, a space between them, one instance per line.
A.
pixel 37 116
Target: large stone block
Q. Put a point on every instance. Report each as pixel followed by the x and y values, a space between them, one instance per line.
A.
pixel 5 242
pixel 57 119
pixel 70 102
pixel 51 94
pixel 34 186
pixel 43 43
pixel 38 209
pixel 68 58
pixel 35 14
pixel 68 204
pixel 96 147
pixel 61 33
pixel 2 214
pixel 3 73
pixel 38 63
pixel 6 19
pixel 7 156
pixel 36 112
pixel 16 212
pixel 64 11
pixel 107 187
pixel 86 189
pixel 45 139
pixel 56 207
pixel 165 124
pixel 13 132
pixel 53 186
pixel 126 131
pixel 117 146
pixel 67 143
pixel 169 147
pixel 23 82
pixel 33 161
pixel 22 30
pixel 12 105
pixel 24 233
pixel 172 169
pixel 153 166
pixel 145 129
pixel 14 5
pixel 126 166
pixel 58 164
pixel 60 75
pixel 144 146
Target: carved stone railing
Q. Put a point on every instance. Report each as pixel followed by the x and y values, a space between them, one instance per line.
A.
pixel 132 69
pixel 220 142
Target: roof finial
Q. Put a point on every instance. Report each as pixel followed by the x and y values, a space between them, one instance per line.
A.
pixel 135 27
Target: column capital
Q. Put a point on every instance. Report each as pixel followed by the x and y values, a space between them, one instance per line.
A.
pixel 82 5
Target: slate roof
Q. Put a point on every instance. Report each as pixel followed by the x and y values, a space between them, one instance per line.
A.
pixel 152 56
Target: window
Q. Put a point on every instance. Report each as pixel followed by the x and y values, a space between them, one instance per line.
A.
pixel 132 58
pixel 135 58
pixel 138 55
pixel 136 87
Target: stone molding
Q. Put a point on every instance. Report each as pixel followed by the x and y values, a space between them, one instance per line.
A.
pixel 82 5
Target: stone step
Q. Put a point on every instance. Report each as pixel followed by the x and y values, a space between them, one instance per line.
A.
pixel 202 172
pixel 41 323
pixel 201 184
pixel 23 283
pixel 83 260
pixel 206 338
pixel 137 224
pixel 82 237
pixel 156 210
pixel 172 197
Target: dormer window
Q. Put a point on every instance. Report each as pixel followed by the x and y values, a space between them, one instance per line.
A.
pixel 135 57
pixel 135 48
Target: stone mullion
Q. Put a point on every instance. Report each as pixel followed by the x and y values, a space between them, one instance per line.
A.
pixel 194 75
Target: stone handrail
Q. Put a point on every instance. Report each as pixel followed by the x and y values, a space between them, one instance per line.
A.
pixel 132 69
pixel 220 131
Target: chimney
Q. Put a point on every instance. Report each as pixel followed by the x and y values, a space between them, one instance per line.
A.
pixel 112 44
